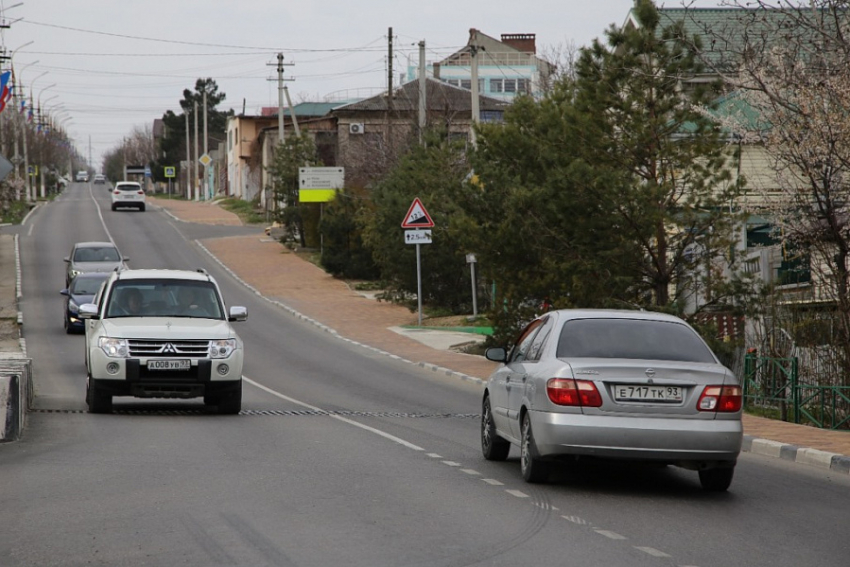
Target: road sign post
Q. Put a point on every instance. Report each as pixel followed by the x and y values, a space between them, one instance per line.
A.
pixel 417 217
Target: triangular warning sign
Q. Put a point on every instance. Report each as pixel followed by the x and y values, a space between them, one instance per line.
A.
pixel 417 216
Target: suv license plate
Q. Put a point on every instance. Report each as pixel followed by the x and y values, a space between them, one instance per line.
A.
pixel 637 392
pixel 169 364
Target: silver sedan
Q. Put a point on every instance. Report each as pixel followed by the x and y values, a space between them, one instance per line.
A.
pixel 629 385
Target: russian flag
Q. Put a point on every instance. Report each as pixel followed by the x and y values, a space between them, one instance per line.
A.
pixel 5 91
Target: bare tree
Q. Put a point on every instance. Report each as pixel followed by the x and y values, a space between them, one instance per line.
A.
pixel 789 63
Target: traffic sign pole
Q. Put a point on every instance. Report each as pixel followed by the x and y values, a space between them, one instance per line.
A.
pixel 419 282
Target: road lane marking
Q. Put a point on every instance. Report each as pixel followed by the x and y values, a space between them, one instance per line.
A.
pixel 493 482
pixel 435 456
pixel 451 463
pixel 652 551
pixel 609 534
pixel 383 434
pixel 575 520
pixel 517 493
pixel 471 472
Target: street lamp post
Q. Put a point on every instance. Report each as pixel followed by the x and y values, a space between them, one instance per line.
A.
pixel 30 187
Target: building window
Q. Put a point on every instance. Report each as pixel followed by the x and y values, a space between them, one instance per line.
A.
pixel 466 84
pixel 496 86
pixel 523 86
pixel 510 85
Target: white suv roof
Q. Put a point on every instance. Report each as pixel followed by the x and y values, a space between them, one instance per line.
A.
pixel 146 274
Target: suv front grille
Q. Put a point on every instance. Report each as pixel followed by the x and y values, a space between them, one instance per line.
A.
pixel 165 349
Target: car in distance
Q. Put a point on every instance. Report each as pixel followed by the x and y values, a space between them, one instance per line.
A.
pixel 626 385
pixel 128 194
pixel 82 176
pixel 92 257
pixel 162 334
pixel 82 290
pixel 99 179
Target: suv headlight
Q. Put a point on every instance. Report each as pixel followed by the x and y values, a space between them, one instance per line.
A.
pixel 222 348
pixel 75 273
pixel 114 348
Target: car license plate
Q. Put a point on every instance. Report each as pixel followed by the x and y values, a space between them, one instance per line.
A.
pixel 169 364
pixel 641 392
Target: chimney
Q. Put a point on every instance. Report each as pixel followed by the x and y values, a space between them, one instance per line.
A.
pixel 525 42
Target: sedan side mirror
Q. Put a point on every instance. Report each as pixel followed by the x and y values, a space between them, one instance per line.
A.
pixel 67 259
pixel 64 292
pixel 496 354
pixel 238 313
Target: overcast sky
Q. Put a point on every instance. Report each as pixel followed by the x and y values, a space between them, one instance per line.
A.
pixel 120 64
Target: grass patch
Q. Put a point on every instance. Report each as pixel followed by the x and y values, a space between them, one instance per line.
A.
pixel 244 209
pixel 15 212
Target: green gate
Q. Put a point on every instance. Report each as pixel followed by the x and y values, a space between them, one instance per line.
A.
pixel 773 384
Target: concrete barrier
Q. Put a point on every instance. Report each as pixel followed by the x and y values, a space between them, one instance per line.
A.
pixel 16 394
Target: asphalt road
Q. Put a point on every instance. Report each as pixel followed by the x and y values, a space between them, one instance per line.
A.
pixel 340 457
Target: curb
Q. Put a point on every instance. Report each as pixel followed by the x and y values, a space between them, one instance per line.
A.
pixel 823 460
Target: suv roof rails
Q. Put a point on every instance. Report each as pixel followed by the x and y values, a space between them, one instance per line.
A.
pixel 202 271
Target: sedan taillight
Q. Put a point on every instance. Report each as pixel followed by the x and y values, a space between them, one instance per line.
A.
pixel 571 392
pixel 725 399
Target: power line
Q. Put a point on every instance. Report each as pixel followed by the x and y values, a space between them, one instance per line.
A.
pixel 200 44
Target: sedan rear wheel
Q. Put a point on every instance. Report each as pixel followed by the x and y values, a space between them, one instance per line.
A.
pixel 494 447
pixel 534 470
pixel 717 479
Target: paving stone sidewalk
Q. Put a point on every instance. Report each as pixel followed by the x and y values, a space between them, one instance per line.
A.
pixel 284 276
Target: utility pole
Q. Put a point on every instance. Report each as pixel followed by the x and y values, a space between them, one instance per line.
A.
pixel 423 92
pixel 188 158
pixel 292 112
pixel 195 180
pixel 280 137
pixel 476 112
pixel 280 94
pixel 206 150
pixel 389 88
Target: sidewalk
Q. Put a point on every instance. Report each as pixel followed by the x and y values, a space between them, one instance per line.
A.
pixel 280 275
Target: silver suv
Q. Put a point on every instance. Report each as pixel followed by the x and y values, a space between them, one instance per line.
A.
pixel 162 334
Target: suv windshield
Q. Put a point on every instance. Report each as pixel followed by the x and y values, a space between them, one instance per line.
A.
pixel 164 298
pixel 633 339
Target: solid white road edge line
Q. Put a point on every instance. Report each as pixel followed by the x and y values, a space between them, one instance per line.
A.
pixel 383 434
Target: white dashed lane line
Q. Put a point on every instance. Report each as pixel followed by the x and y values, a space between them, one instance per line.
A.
pixel 454 464
pixel 609 534
pixel 652 551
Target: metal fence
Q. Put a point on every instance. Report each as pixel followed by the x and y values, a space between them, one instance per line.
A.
pixel 774 385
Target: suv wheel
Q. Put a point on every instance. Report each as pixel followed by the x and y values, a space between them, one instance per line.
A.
pixel 229 403
pixel 97 400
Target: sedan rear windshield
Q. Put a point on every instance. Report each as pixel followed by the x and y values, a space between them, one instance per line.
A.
pixel 633 339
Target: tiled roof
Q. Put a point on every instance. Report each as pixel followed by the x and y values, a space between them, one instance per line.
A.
pixel 440 96
pixel 723 31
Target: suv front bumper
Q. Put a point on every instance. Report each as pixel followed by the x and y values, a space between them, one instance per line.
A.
pixel 131 377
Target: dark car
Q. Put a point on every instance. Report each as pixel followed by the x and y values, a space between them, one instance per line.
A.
pixel 82 290
pixel 92 257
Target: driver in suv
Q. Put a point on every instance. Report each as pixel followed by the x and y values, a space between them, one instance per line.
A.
pixel 162 334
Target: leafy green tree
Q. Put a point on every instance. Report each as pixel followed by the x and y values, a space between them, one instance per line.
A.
pixel 435 173
pixel 653 129
pixel 614 190
pixel 343 250
pixel 172 146
pixel 298 218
